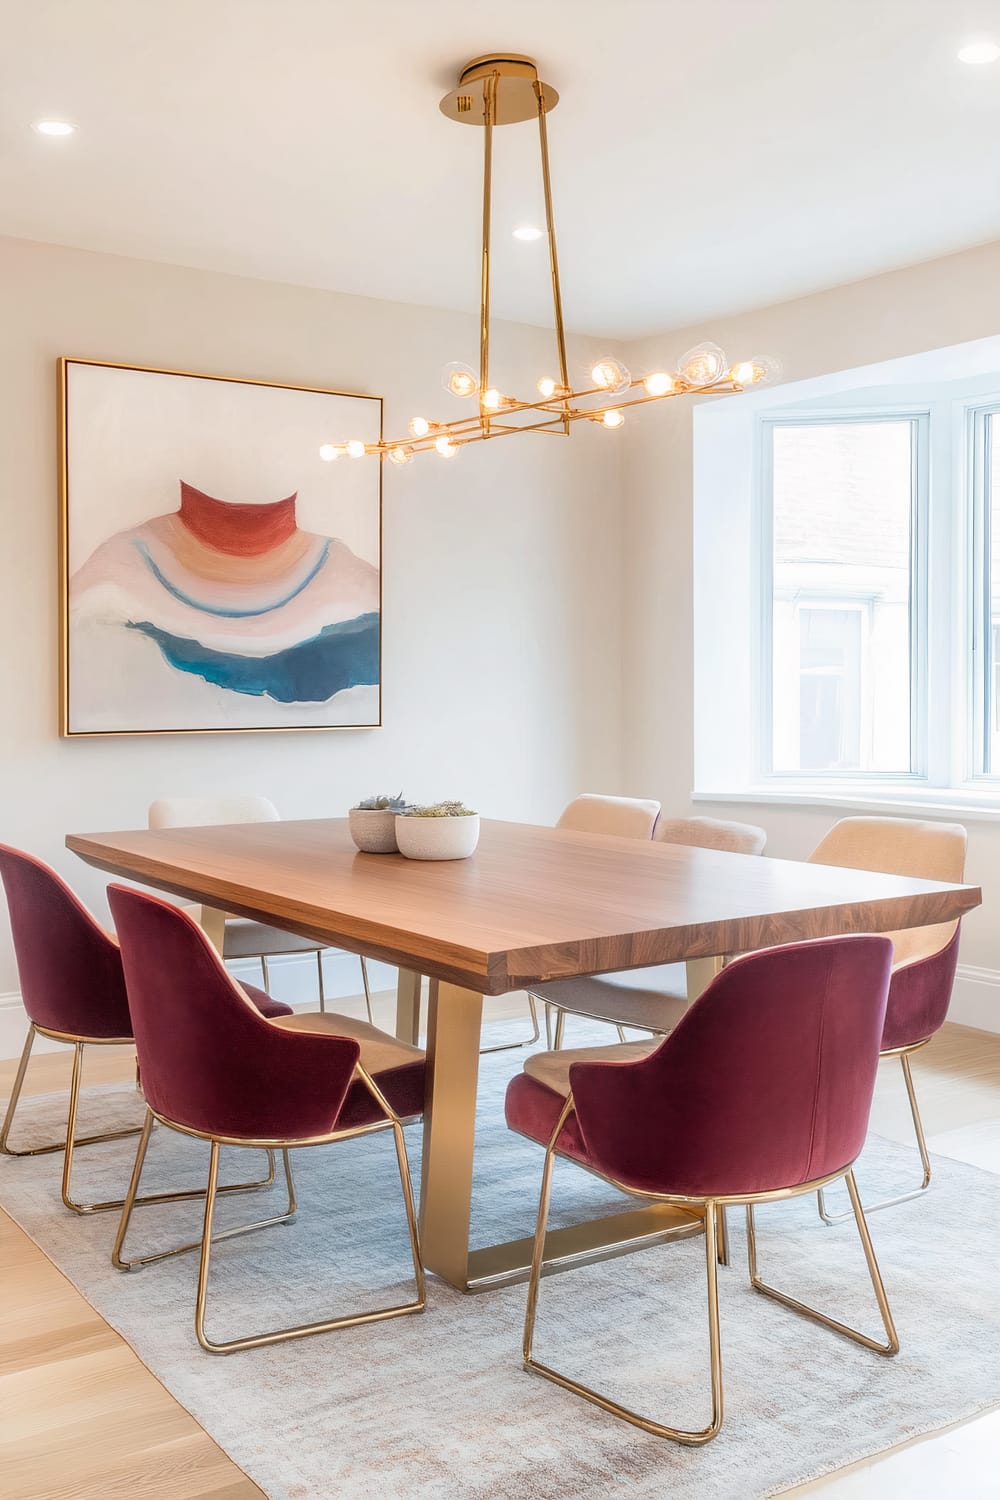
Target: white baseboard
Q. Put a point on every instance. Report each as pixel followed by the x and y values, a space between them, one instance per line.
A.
pixel 976 1001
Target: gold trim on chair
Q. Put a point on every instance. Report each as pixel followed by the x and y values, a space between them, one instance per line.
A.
pixel 204 1244
pixel 714 1208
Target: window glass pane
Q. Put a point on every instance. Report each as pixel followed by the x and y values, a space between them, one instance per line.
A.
pixel 991 594
pixel 841 611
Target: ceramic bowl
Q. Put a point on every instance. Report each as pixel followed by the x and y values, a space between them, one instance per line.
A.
pixel 373 829
pixel 437 838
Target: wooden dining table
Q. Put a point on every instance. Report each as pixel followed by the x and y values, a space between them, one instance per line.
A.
pixel 532 904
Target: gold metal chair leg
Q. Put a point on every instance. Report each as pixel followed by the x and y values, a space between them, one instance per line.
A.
pixel 282 1335
pixel 320 981
pixel 722 1233
pixel 891 1346
pixel 131 1201
pixel 67 1146
pixel 658 1429
pixel 527 1041
pixel 265 973
pixel 560 1030
pixel 368 990
pixel 549 1038
pixel 86 1140
pixel 925 1160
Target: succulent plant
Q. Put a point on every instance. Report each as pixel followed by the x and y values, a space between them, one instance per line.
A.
pixel 396 804
pixel 440 810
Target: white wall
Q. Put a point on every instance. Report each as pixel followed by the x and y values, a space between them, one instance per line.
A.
pixel 940 303
pixel 502 627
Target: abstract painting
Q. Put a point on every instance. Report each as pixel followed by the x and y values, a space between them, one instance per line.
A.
pixel 216 573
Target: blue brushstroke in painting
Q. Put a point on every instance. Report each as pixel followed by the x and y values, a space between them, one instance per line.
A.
pixel 229 614
pixel 341 656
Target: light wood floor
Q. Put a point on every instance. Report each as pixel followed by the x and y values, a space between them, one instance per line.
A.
pixel 81 1418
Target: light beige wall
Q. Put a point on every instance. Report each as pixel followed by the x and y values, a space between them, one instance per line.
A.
pixel 924 307
pixel 502 644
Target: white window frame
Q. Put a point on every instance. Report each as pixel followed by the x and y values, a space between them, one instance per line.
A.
pixel 980 652
pixel 919 418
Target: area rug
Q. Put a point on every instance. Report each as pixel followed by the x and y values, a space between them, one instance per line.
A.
pixel 437 1406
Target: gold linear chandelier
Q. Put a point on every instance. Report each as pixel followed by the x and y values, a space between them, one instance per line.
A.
pixel 505 90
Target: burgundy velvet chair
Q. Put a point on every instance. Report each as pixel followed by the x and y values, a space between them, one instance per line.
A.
pixel 761 1092
pixel 924 958
pixel 73 991
pixel 214 1068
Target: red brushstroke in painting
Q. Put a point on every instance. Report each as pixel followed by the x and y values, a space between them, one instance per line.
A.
pixel 243 530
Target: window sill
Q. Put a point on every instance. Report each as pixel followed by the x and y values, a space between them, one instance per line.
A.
pixel 928 801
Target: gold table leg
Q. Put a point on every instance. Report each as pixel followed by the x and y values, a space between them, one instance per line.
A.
pixel 700 973
pixel 408 1006
pixel 213 924
pixel 454 1022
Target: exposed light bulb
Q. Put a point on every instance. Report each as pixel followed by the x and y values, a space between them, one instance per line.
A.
pixel 403 455
pixel 328 452
pixel 459 380
pixel 703 365
pixel 528 232
pixel 445 446
pixel 978 53
pixel 546 387
pixel 356 448
pixel 613 419
pixel 54 127
pixel 492 399
pixel 611 375
pixel 756 371
pixel 658 384
pixel 419 426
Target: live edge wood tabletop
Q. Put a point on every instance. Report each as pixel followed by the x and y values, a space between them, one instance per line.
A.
pixel 531 904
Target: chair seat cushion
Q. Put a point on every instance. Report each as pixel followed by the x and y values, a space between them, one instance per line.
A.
pixel 248 939
pixel 552 1068
pixel 265 1003
pixel 533 1109
pixel 654 999
pixel 398 1068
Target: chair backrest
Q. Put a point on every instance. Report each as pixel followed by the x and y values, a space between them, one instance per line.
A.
pixel 711 833
pixel 765 1083
pixel 69 968
pixel 208 1058
pixel 201 812
pixel 629 817
pixel 901 846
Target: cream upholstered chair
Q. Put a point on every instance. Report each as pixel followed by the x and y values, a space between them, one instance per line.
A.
pixel 924 958
pixel 245 938
pixel 652 999
pixel 628 817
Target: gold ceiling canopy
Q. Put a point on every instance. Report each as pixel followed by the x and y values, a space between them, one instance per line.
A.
pixel 504 89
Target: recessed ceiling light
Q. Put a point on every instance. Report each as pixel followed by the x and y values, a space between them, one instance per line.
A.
pixel 54 127
pixel 977 53
pixel 528 232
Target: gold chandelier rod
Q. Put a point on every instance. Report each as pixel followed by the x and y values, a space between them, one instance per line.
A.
pixel 504 89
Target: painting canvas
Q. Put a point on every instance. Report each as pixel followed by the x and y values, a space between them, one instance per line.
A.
pixel 217 574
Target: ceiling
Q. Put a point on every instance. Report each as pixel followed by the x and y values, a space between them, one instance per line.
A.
pixel 708 156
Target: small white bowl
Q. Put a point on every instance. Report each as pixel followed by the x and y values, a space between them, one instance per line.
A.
pixel 437 838
pixel 373 829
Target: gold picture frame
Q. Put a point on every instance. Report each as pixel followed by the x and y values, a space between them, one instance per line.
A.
pixel 80 472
